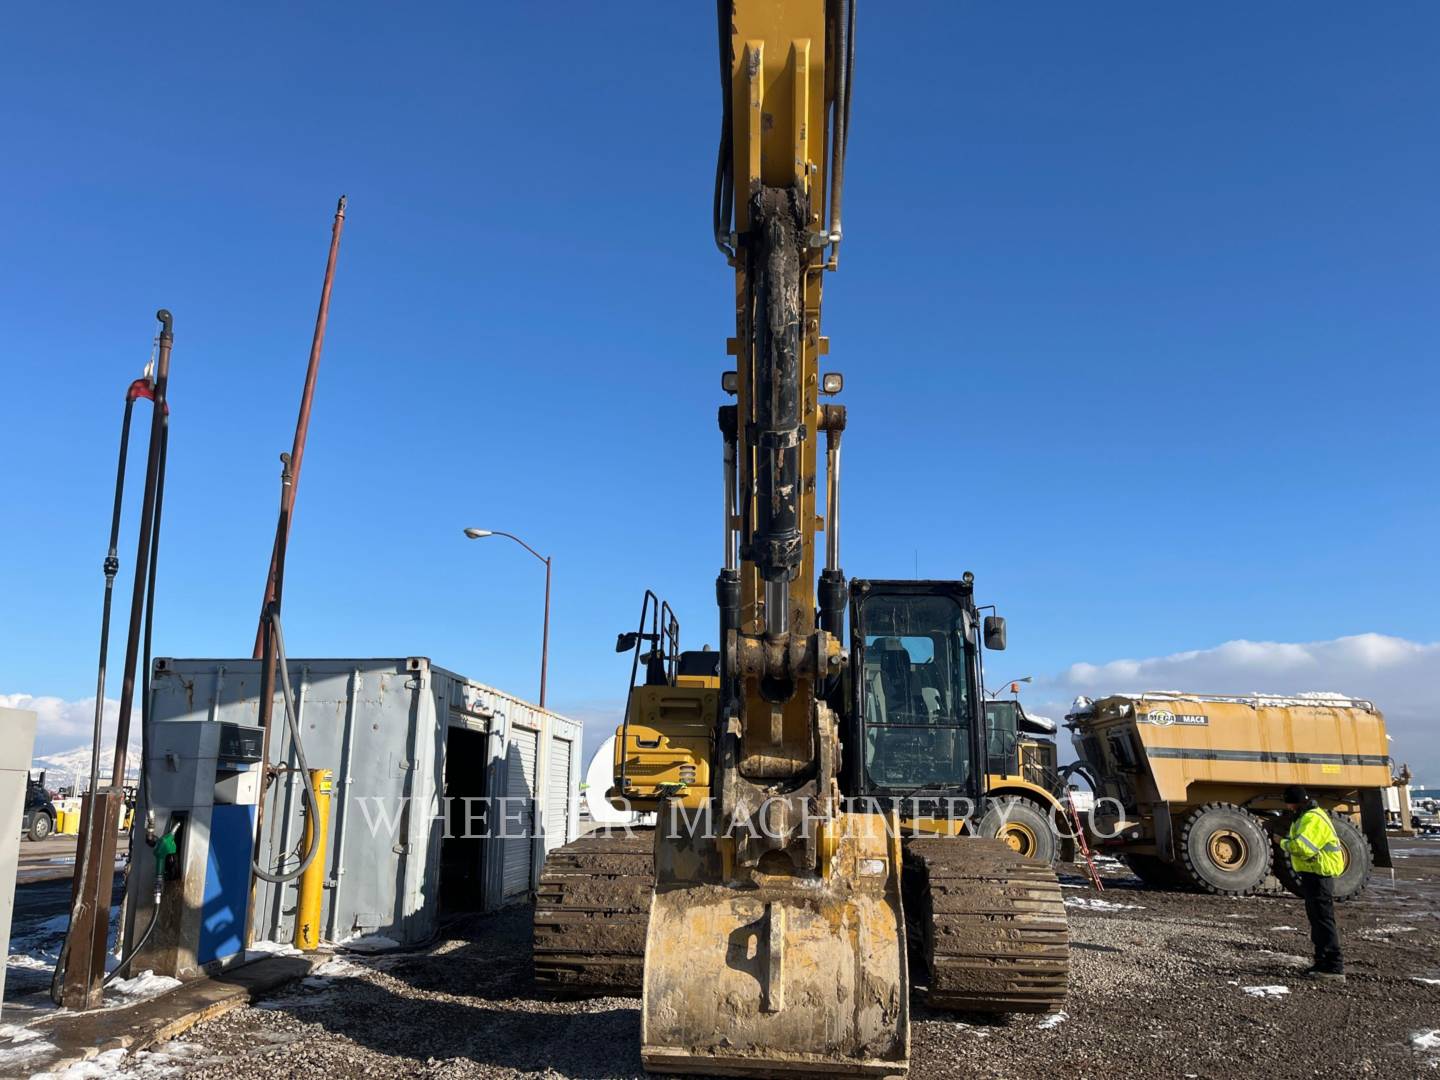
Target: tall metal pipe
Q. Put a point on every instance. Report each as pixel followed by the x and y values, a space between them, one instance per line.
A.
pixel 80 968
pixel 302 423
pixel 111 567
pixel 159 421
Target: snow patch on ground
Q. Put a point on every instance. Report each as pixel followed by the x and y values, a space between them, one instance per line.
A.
pixel 1426 1040
pixel 139 987
pixel 1427 982
pixel 1054 1020
pixel 1090 903
pixel 1266 991
pixel 369 943
pixel 1380 933
pixel 168 1059
pixel 35 945
pixel 18 1045
pixel 323 976
pixel 260 949
pixel 1284 928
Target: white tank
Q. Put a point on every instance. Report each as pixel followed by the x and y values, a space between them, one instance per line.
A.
pixel 600 778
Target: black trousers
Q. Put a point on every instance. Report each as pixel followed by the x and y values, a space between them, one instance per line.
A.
pixel 1319 894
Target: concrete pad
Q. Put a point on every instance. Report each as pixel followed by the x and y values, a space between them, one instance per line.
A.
pixel 79 1036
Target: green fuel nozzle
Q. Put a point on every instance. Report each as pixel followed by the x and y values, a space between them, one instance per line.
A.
pixel 165 847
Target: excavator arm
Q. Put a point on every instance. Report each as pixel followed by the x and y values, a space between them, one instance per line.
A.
pixel 776 940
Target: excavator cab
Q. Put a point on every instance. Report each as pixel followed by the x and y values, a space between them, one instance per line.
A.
pixel 914 690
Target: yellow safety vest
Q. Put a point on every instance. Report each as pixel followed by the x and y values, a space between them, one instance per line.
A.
pixel 1313 846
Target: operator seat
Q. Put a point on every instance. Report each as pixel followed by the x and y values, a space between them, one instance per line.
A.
pixel 897 684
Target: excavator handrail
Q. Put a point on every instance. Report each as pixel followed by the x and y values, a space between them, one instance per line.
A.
pixel 664 634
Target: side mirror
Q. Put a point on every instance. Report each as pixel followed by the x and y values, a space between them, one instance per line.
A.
pixel 626 642
pixel 995 633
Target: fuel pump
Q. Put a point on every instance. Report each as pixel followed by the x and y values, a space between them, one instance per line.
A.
pixel 189 899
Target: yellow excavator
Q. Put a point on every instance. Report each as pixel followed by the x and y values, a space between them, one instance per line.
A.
pixel 780 894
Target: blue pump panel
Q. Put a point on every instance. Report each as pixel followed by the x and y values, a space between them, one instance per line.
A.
pixel 227 883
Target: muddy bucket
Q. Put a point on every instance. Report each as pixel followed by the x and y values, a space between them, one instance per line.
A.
pixel 781 975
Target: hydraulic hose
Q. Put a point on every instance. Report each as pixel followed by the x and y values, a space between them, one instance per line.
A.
pixel 724 198
pixel 292 721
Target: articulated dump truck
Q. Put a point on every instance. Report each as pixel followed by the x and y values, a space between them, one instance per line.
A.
pixel 1188 786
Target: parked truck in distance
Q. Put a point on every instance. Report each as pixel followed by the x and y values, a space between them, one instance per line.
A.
pixel 38 819
pixel 1188 786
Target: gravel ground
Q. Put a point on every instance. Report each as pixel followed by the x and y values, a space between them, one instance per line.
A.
pixel 1164 985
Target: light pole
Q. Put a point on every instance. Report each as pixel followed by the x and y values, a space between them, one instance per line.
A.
pixel 1009 682
pixel 479 534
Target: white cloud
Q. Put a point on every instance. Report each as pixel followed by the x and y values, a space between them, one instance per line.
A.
pixel 1402 678
pixel 64 731
pixel 62 723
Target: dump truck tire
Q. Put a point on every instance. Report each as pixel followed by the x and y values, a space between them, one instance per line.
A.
pixel 1224 850
pixel 1023 827
pixel 1359 862
pixel 1154 872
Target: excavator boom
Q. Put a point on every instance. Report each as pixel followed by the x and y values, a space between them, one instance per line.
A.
pixel 776 940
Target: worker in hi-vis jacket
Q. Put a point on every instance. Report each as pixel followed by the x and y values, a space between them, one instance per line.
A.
pixel 1318 859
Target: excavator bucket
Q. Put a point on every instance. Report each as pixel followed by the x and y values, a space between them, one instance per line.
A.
pixel 777 974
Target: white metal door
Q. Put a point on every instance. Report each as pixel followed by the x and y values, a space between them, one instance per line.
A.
pixel 557 793
pixel 515 820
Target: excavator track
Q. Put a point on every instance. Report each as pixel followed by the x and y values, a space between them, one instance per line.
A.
pixel 591 913
pixel 990 924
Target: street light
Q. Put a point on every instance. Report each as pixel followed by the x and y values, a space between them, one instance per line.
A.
pixel 1010 683
pixel 480 534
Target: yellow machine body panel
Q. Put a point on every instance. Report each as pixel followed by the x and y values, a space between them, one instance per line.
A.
pixel 665 750
pixel 1189 748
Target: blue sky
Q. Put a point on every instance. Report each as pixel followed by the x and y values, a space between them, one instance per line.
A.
pixel 1136 311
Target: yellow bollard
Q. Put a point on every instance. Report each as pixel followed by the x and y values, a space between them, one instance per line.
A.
pixel 312 882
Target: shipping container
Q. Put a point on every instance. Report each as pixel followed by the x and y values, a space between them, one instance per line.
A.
pixel 447 793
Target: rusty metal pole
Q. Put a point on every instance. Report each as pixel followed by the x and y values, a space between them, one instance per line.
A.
pixel 84 969
pixel 302 423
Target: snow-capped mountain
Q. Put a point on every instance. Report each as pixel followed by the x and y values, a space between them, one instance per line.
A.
pixel 71 768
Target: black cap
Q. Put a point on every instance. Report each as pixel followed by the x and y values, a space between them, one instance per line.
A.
pixel 1295 795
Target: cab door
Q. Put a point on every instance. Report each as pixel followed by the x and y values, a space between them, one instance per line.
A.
pixel 914 701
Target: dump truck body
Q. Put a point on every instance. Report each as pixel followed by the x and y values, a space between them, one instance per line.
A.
pixel 1181 778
